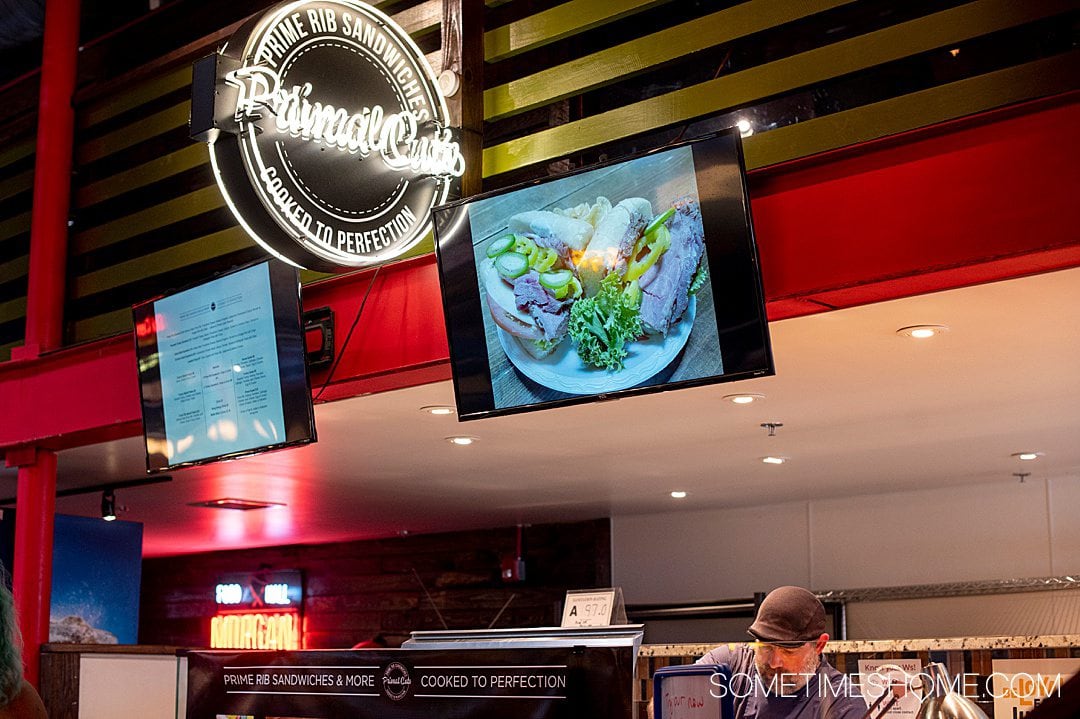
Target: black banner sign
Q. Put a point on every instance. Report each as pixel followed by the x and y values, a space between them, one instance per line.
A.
pixel 548 683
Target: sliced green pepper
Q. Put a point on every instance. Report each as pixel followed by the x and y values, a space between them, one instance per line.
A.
pixel 501 245
pixel 544 259
pixel 557 282
pixel 659 220
pixel 511 265
pixel 661 241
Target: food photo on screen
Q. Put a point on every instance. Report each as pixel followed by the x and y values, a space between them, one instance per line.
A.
pixel 596 282
pixel 632 276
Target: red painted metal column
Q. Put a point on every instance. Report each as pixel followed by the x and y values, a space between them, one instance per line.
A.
pixel 36 495
pixel 52 180
pixel 32 575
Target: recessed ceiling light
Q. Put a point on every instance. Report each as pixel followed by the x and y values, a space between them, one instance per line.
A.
pixel 774 460
pixel 1026 456
pixel 678 495
pixel 922 332
pixel 745 398
pixel 235 503
pixel 462 440
pixel 745 128
pixel 439 409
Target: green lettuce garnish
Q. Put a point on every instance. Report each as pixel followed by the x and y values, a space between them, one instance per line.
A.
pixel 603 324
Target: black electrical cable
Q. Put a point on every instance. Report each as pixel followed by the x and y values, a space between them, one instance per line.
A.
pixel 348 336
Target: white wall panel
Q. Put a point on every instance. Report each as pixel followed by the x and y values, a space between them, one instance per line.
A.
pixel 1065 524
pixel 709 555
pixel 137 685
pixel 970 532
pixel 1023 614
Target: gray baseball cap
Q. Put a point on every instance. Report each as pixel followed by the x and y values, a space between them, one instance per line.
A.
pixel 789 615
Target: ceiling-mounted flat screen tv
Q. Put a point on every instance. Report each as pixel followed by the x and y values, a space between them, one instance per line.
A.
pixel 627 277
pixel 222 368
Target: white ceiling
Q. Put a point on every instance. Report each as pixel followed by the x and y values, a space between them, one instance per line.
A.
pixel 863 410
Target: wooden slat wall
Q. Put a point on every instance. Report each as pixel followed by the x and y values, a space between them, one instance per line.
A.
pixel 680 45
pixel 356 590
pixel 149 216
pixel 566 83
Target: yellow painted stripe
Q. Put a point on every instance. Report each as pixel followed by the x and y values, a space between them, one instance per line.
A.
pixel 124 137
pixel 5 350
pixel 14 225
pixel 1041 78
pixel 152 218
pixel 15 268
pixel 805 69
pixel 12 309
pixel 16 184
pixel 184 254
pixel 140 95
pixel 158 169
pixel 421 19
pixel 111 323
pixel 17 152
pixel 569 18
pixel 630 58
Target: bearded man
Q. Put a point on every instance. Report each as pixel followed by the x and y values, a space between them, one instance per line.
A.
pixel 782 674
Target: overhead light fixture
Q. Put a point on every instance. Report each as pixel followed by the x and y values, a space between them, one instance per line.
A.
pixel 745 128
pixel 235 503
pixel 461 440
pixel 745 398
pixel 108 505
pixel 678 495
pixel 922 332
pixel 774 460
pixel 437 409
pixel 1026 456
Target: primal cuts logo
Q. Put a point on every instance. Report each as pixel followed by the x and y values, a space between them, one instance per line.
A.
pixel 396 681
pixel 330 141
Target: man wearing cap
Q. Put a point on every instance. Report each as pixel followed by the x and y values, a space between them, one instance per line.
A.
pixel 782 674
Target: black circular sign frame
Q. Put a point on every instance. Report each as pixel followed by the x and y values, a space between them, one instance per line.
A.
pixel 340 146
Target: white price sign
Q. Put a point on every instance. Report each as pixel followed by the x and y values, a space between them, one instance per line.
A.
pixel 588 609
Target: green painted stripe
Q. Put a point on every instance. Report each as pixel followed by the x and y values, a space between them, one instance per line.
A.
pixel 152 218
pixel 111 323
pixel 12 309
pixel 13 269
pixel 1041 78
pixel 133 134
pixel 630 58
pixel 805 69
pixel 141 94
pixel 176 257
pixel 16 184
pixel 17 152
pixel 15 225
pixel 569 18
pixel 158 169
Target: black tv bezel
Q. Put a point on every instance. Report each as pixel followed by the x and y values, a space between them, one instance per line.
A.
pixel 299 414
pixel 718 243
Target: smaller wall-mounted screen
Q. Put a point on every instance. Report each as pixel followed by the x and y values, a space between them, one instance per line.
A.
pixel 222 368
pixel 627 277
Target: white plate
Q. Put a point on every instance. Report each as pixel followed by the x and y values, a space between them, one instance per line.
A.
pixel 564 371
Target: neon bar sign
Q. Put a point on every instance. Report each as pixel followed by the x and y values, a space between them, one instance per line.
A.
pixel 281 589
pixel 256 630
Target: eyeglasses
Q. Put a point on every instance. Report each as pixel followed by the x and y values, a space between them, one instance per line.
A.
pixel 788 649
